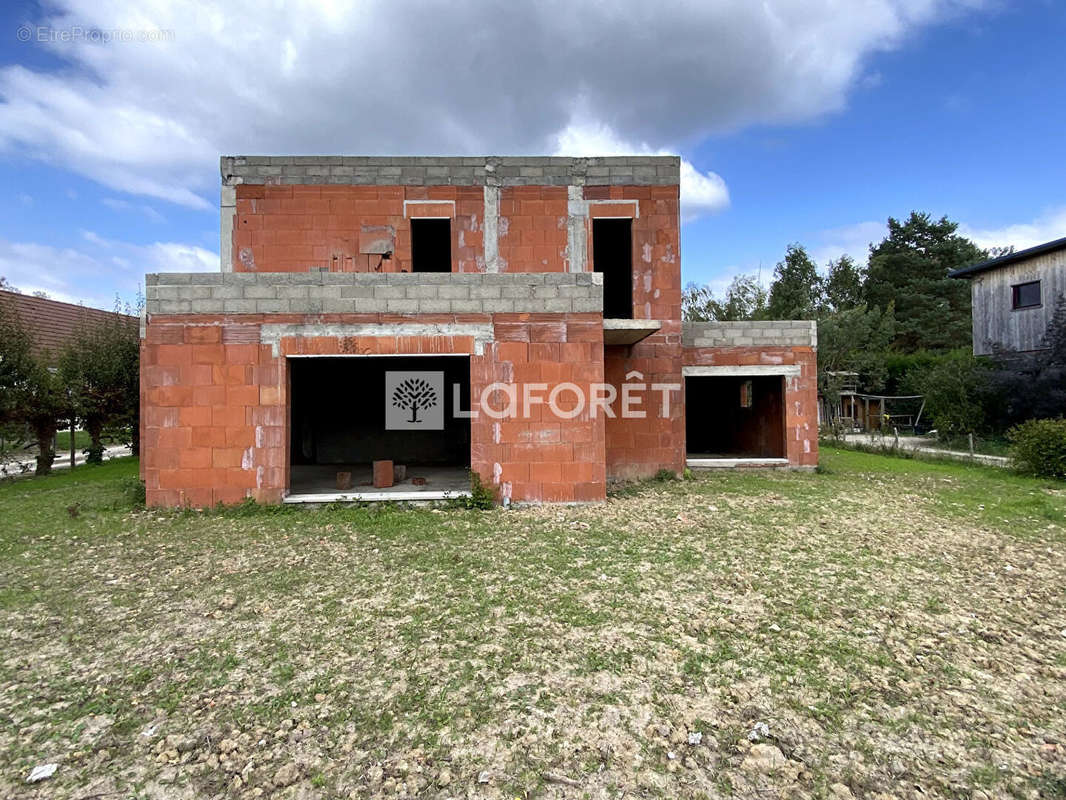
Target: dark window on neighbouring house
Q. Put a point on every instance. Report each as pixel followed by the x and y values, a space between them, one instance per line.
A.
pixel 612 254
pixel 1025 295
pixel 431 245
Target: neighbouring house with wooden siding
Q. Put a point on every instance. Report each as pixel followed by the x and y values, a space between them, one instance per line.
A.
pixel 1014 297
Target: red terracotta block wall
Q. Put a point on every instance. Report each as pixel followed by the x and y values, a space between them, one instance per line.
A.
pixel 532 229
pixel 656 244
pixel 639 448
pixel 215 406
pixel 295 228
pixel 801 391
pixel 214 422
pixel 539 456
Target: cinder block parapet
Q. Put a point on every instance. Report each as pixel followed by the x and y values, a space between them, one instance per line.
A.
pixel 452 171
pixel 754 333
pixel 360 292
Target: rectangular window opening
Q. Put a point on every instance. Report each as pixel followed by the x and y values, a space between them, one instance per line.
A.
pixel 431 245
pixel 612 255
pixel 1025 295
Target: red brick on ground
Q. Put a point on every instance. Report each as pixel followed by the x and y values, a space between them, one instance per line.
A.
pixel 382 474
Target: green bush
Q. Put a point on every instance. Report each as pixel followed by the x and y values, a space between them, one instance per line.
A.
pixel 1038 447
pixel 957 399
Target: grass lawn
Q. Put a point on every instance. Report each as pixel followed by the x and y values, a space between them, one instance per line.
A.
pixel 883 628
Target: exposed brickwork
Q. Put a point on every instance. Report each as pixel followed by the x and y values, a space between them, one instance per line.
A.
pixel 532 229
pixel 772 334
pixel 639 448
pixel 215 414
pixel 801 391
pixel 304 273
pixel 455 171
pixel 656 244
pixel 398 293
pixel 295 228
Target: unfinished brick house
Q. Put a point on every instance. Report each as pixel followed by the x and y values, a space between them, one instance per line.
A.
pixel 531 307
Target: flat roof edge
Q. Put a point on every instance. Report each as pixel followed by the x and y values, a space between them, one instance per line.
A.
pixel 451 170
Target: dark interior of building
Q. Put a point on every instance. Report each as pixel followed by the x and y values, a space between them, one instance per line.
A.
pixel 612 254
pixel 735 417
pixel 339 408
pixel 431 245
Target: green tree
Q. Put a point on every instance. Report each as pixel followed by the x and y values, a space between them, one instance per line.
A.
pixel 744 299
pixel 854 340
pixel 796 292
pixel 16 363
pixel 843 284
pixel 958 394
pixel 909 269
pixel 32 393
pixel 100 369
pixel 698 304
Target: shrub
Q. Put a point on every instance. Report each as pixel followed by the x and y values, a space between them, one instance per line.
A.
pixel 957 396
pixel 1038 447
pixel 481 496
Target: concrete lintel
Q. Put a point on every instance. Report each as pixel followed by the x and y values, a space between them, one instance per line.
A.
pixel 273 333
pixel 629 331
pixel 410 207
pixel 749 371
pixel 617 202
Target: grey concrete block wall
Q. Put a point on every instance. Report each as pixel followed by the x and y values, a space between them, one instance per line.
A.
pixel 452 171
pixel 770 333
pixel 360 292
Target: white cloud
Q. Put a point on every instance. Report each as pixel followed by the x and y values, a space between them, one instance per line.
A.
pixel 398 76
pixel 98 270
pixel 853 240
pixel 1048 226
pixel 701 192
pixel 126 206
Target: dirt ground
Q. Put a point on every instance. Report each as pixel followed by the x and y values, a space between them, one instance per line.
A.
pixel 884 628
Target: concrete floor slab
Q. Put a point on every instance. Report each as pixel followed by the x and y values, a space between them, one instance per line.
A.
pixel 318 484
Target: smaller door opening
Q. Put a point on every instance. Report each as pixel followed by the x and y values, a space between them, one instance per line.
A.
pixel 612 254
pixel 431 245
pixel 735 417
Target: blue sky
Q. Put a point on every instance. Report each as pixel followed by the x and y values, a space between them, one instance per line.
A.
pixel 802 123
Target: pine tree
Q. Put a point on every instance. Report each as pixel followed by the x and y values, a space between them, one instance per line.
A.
pixel 909 270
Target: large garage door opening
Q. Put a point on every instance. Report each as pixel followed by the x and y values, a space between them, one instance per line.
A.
pixel 349 412
pixel 735 417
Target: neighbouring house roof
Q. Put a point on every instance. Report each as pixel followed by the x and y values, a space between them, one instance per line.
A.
pixel 50 323
pixel 1010 258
